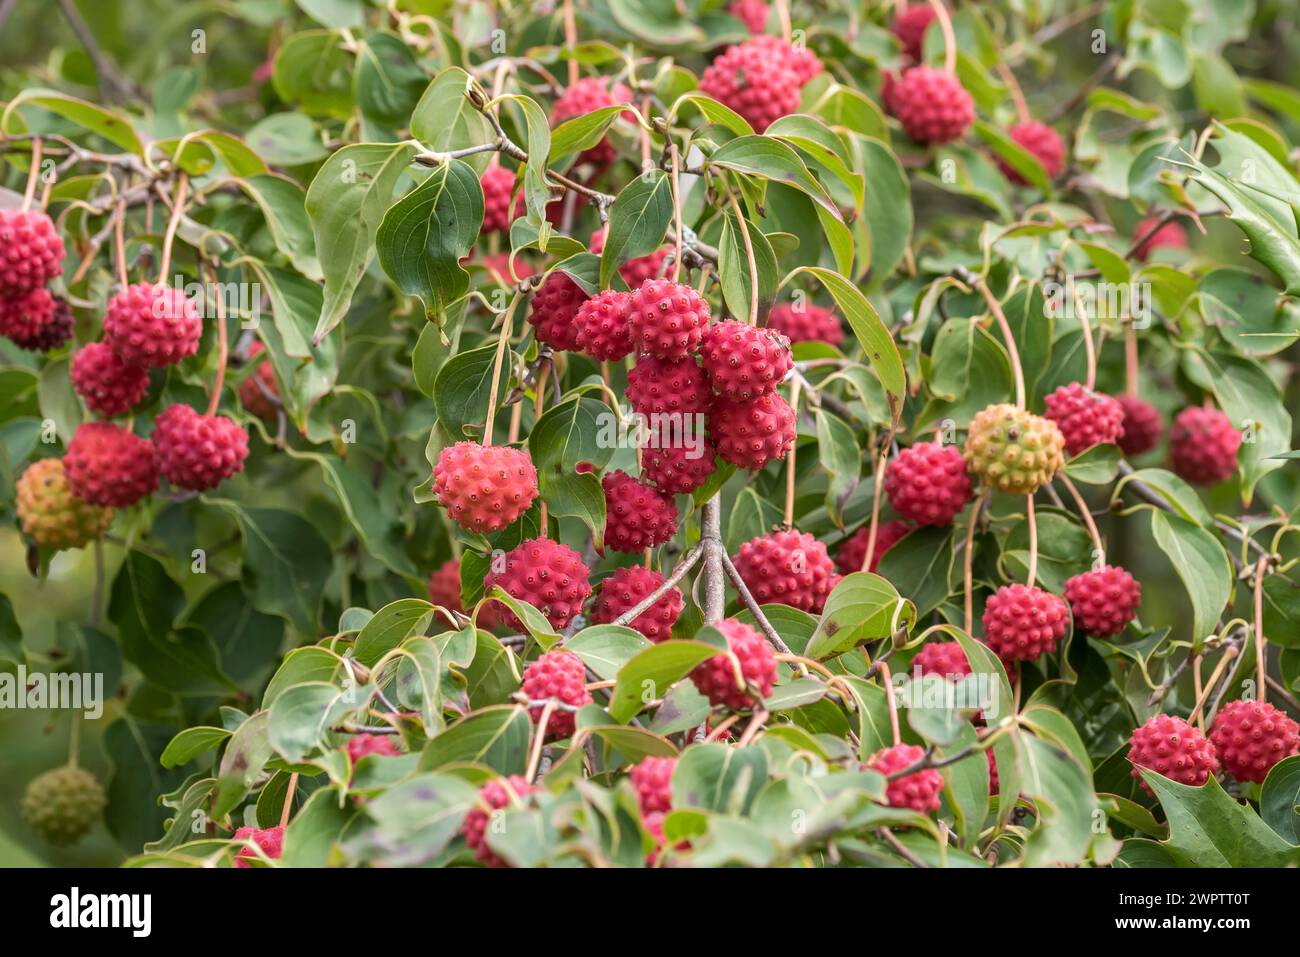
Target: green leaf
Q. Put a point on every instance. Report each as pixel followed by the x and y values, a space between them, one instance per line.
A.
pixel 581 132
pixel 605 649
pixel 445 119
pixel 577 496
pixel 862 607
pixel 314 72
pixel 389 81
pixel 389 627
pixel 190 743
pixel 738 283
pixel 461 389
pixel 497 737
pixel 111 126
pixel 1201 564
pixel 1207 828
pixel 1279 799
pixel 638 220
pixel 572 433
pixel 650 674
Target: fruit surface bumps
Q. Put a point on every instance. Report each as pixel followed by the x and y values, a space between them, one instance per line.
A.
pixel 1103 600
pixel 494 796
pixel 789 568
pixel 269 840
pixel 920 790
pixel 1142 425
pixel 550 576
pixel 716 677
pixel 1042 143
pixel 484 488
pixel 743 361
pixel 152 326
pixel 752 433
pixel 601 326
pixel 627 588
pixel 755 81
pixel 853 552
pixel 668 387
pixel 932 105
pixel 1203 446
pixel 1012 450
pixel 31 251
pixel 107 465
pixel 667 318
pixel 652 779
pixel 63 804
pixel 637 515
pixel 561 675
pixel 1023 623
pixel 806 323
pixel 927 483
pixel 1085 417
pixel 444 585
pixel 105 383
pixel 1250 737
pixel 1170 746
pixel 196 451
pixel 51 515
pixel 555 306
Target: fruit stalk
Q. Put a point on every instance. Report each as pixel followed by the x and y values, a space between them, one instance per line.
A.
pixel 949 38
pixel 178 209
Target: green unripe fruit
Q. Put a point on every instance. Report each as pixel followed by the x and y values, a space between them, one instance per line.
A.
pixel 63 804
pixel 1013 450
pixel 51 515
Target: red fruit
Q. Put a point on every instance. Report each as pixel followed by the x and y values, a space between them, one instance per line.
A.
pixel 258 392
pixel 626 589
pixel 1103 600
pixel 496 795
pixel 752 13
pixel 744 361
pixel 152 325
pixel 484 488
pixel 499 268
pixel 1085 417
pixel 910 26
pixel 943 658
pixel 586 96
pixel 107 465
pixel 798 58
pixel 555 307
pixel 198 452
pixel 269 840
pixel 932 105
pixel 659 386
pixel 444 585
pixel 1169 236
pixel 788 568
pixel 806 323
pixel 853 551
pixel 359 745
pixel 549 576
pixel 1142 425
pixel 637 516
pixel 1023 623
pixel 55 328
pixel 715 678
pixel 1040 141
pixel 928 484
pixel 667 318
pixel 1172 747
pixel 498 189
pixel 24 315
pixel 107 384
pixel 920 790
pixel 1250 737
pixel 31 252
pixel 751 434
pixel 888 87
pixel 601 326
pixel 634 271
pixel 1203 446
pixel 653 781
pixel 755 81
pixel 995 786
pixel 679 469
pixel 557 674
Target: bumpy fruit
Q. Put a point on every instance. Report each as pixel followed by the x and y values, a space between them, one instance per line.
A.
pixel 586 96
pixel 1103 600
pixel 652 779
pixel 63 804
pixel 744 361
pixel 494 796
pixel 561 675
pixel 505 273
pixel 498 189
pixel 1203 446
pixel 801 61
pixel 1172 747
pixel 51 515
pixel 920 790
pixel 667 318
pixel 107 465
pixel 23 316
pixel 152 325
pixel 853 552
pixel 359 745
pixel 679 469
pixel 1169 236
pixel 56 329
pixel 31 252
pixel 636 270
pixel 752 13
pixel 484 488
pixel 554 309
pixel 1250 737
pixel 788 568
pixel 1085 417
pixel 1042 143
pixel 548 575
pixel 932 105
pixel 196 451
pixel 715 678
pixel 107 384
pixel 444 585
pixel 806 323
pixel 668 386
pixel 637 516
pixel 910 26
pixel 943 658
pixel 626 589
pixel 1022 623
pixel 927 483
pixel 1142 425
pixel 270 841
pixel 258 392
pixel 1013 450
pixel 601 326
pixel 751 434
pixel 755 81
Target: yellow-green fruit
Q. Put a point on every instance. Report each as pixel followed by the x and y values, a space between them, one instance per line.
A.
pixel 63 804
pixel 1012 450
pixel 51 515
